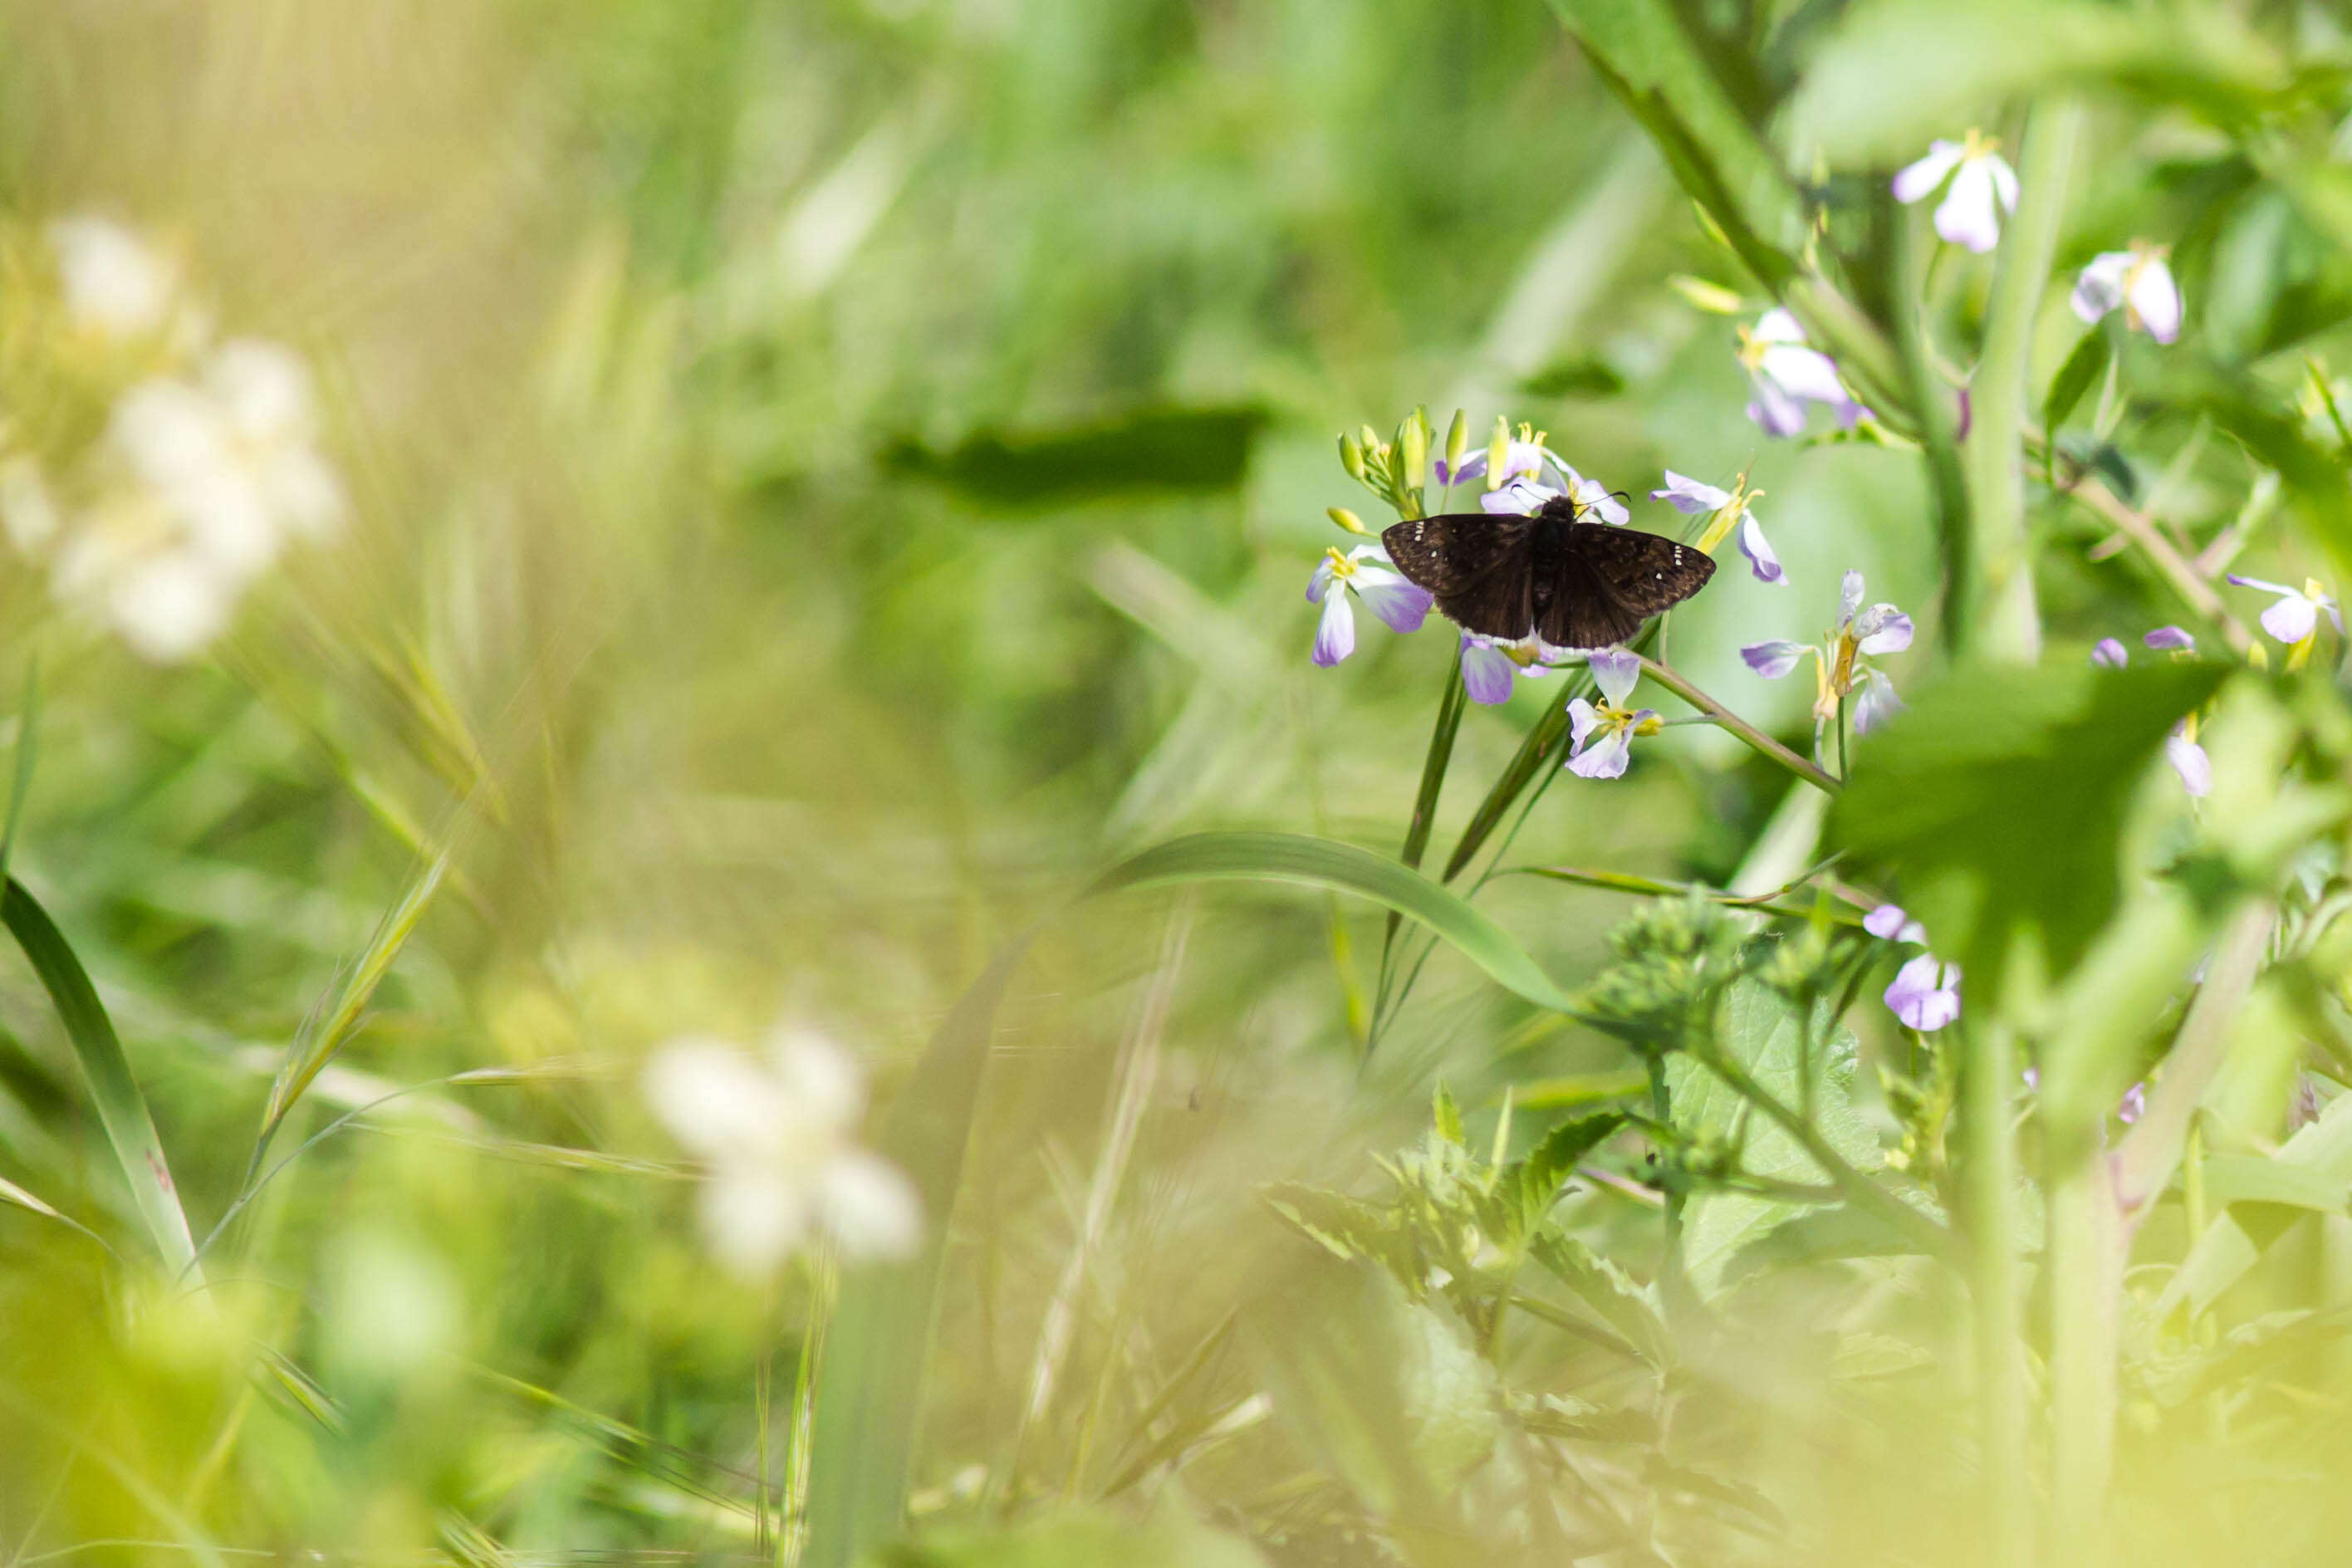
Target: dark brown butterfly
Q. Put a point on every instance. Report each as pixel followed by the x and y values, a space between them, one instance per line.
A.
pixel 1572 583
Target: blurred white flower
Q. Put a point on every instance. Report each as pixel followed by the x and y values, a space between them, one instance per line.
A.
pixel 1983 186
pixel 1787 376
pixel 776 1139
pixel 2138 280
pixel 115 283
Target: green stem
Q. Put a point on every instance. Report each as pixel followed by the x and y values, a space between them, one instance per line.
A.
pixel 1997 600
pixel 1991 1180
pixel 1626 882
pixel 1433 781
pixel 1756 739
pixel 1933 399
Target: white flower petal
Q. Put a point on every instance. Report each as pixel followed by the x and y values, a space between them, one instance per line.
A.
pixel 753 1219
pixel 1804 373
pixel 1581 718
pixel 2099 288
pixel 1616 671
pixel 1690 497
pixel 2155 300
pixel 1919 180
pixel 868 1207
pixel 715 1100
pixel 113 280
pixel 1604 760
pixel 2190 761
pixel 1335 633
pixel 820 1083
pixel 1966 215
pixel 1849 590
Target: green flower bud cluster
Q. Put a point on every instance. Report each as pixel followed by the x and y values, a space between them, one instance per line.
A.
pixel 1397 470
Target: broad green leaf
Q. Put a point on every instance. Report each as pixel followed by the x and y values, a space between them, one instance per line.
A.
pixel 2222 1257
pixel 2251 1179
pixel 1819 1236
pixel 1154 449
pixel 2082 367
pixel 1536 1180
pixel 1643 50
pixel 1342 868
pixel 1997 799
pixel 121 1109
pixel 1604 1295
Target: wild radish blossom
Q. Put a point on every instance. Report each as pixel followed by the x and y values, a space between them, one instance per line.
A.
pixel 2138 280
pixel 1926 993
pixel 1787 376
pixel 1490 667
pixel 1367 574
pixel 1522 474
pixel 1603 733
pixel 113 282
pixel 2180 748
pixel 777 1142
pixel 1690 497
pixel 1838 668
pixel 1983 186
pixel 2294 618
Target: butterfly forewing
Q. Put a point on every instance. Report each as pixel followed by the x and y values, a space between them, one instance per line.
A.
pixel 1479 568
pixel 1577 585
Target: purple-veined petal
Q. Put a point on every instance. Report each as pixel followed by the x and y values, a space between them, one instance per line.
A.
pixel 2170 637
pixel 1803 372
pixel 1926 993
pixel 1605 759
pixel 1400 606
pixel 1517 499
pixel 1335 636
pixel 2190 761
pixel 2133 1104
pixel 1920 179
pixel 2155 298
pixel 1321 583
pixel 2109 654
pixel 1761 559
pixel 2265 587
pixel 1689 495
pixel 1524 460
pixel 2099 287
pixel 1582 717
pixel 1774 659
pixel 1875 701
pixel 2004 180
pixel 1882 628
pixel 1616 671
pixel 1776 413
pixel 2291 619
pixel 1486 671
pixel 1850 591
pixel 1967 215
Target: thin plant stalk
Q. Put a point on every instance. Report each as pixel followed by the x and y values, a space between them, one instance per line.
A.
pixel 1756 740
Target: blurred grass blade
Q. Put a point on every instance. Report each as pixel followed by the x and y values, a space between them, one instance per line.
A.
pixel 28 725
pixel 1173 448
pixel 10 1193
pixel 324 1032
pixel 1432 783
pixel 1342 868
pixel 121 1109
pixel 1516 776
pixel 877 1348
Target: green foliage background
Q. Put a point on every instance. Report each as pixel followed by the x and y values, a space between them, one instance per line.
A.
pixel 829 478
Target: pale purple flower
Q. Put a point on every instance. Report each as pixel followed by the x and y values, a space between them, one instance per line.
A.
pixel 2136 280
pixel 2133 1104
pixel 1365 572
pixel 1532 474
pixel 2109 654
pixel 2295 616
pixel 1603 733
pixel 2190 761
pixel 1892 924
pixel 2166 638
pixel 1983 186
pixel 1692 496
pixel 1838 668
pixel 1926 993
pixel 1787 376
pixel 1489 669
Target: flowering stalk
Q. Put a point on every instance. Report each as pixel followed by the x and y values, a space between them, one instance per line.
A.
pixel 1724 718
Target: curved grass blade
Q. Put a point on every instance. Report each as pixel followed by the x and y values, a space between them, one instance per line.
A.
pixel 1342 868
pixel 28 725
pixel 121 1109
pixel 324 1032
pixel 1432 783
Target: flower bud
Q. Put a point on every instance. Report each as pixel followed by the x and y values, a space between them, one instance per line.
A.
pixel 1351 457
pixel 1498 454
pixel 1457 441
pixel 1346 519
pixel 1371 439
pixel 1412 449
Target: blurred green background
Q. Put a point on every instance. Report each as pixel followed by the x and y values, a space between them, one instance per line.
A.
pixel 823 479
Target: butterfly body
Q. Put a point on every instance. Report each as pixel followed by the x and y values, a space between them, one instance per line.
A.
pixel 1552 575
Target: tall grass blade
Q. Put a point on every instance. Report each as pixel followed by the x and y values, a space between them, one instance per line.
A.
pixel 1432 783
pixel 121 1109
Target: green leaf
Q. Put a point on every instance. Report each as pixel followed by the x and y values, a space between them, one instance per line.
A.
pixel 1342 868
pixel 1641 48
pixel 1604 1295
pixel 121 1109
pixel 1153 449
pixel 1818 1235
pixel 1538 1178
pixel 1447 1116
pixel 2251 1179
pixel 1998 797
pixel 2082 367
pixel 1082 1538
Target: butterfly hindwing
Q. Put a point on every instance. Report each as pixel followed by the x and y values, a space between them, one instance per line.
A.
pixel 1646 573
pixel 1479 567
